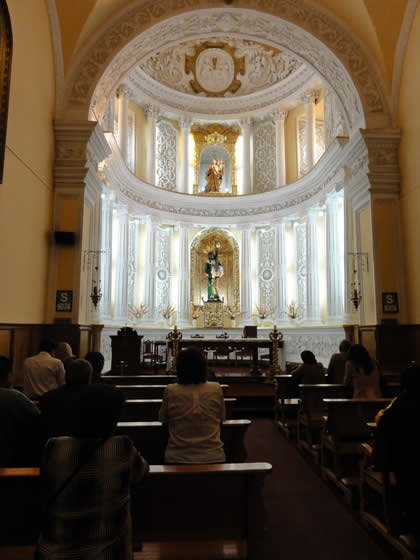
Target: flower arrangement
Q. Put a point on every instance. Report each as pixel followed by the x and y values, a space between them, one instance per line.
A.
pixel 196 311
pixel 167 311
pixel 294 311
pixel 233 311
pixel 263 311
pixel 139 311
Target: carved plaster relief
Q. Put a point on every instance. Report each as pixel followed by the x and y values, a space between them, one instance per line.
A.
pixel 166 155
pixel 266 267
pixel 265 157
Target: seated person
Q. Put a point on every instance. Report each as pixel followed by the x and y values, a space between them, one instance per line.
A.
pixel 64 353
pixel 362 373
pixel 337 365
pixel 89 479
pixel 97 361
pixel 193 408
pixel 310 372
pixel 394 437
pixel 60 408
pixel 19 424
pixel 42 372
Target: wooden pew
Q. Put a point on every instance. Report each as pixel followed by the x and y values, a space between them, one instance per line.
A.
pixel 311 412
pixel 142 410
pixel 344 429
pixel 193 503
pixel 286 408
pixel 139 379
pixel 146 391
pixel 150 438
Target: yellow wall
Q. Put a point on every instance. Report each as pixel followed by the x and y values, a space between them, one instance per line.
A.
pixel 290 132
pixel 409 122
pixel 367 276
pixel 141 147
pixel 26 192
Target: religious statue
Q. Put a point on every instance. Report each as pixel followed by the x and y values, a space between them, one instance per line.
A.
pixel 214 271
pixel 214 175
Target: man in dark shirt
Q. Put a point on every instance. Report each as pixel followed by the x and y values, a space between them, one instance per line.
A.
pixel 19 424
pixel 337 365
pixel 60 408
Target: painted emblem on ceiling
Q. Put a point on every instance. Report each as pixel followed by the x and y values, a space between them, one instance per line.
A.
pixel 220 67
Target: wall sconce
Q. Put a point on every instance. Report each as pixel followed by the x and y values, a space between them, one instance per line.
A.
pixel 93 259
pixel 359 262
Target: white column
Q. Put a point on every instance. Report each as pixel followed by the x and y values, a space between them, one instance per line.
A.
pixel 279 118
pixel 309 100
pixel 185 125
pixel 123 97
pixel 150 270
pixel 151 116
pixel 183 277
pixel 121 267
pixel 312 287
pixel 281 273
pixel 246 133
pixel 348 235
pixel 334 263
pixel 133 251
pixel 106 258
pixel 245 258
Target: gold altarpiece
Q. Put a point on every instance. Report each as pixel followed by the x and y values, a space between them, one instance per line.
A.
pixel 215 135
pixel 228 257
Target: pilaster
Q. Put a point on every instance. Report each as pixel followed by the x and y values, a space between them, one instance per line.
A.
pixel 312 294
pixel 183 276
pixel 185 125
pixel 245 263
pixel 152 114
pixel 279 119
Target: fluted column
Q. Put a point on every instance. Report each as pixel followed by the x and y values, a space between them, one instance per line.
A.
pixel 281 272
pixel 185 125
pixel 106 258
pixel 133 251
pixel 246 126
pixel 279 119
pixel 348 233
pixel 150 270
pixel 245 256
pixel 335 294
pixel 183 277
pixel 121 267
pixel 123 98
pixel 151 115
pixel 309 101
pixel 312 288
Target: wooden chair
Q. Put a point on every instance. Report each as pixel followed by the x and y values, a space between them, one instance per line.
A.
pixel 344 430
pixel 286 408
pixel 150 354
pixel 150 438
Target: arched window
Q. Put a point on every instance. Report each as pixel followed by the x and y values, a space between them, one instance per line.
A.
pixel 6 44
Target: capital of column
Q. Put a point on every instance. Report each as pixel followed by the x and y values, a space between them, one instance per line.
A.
pixel 246 124
pixel 124 90
pixel 245 227
pixel 185 122
pixel 151 112
pixel 279 115
pixel 310 96
pixel 384 168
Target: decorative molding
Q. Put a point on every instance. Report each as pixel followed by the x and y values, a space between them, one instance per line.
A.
pixel 57 48
pixel 166 155
pixel 264 157
pixel 266 267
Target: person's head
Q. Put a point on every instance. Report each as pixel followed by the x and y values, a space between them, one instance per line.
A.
pixel 360 356
pixel 47 345
pixel 191 367
pixel 210 256
pixel 63 351
pixel 78 372
pixel 410 380
pixel 97 360
pixel 5 369
pixel 345 346
pixel 100 410
pixel 308 357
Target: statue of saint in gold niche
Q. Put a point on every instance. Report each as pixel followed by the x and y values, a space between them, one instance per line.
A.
pixel 214 175
pixel 214 271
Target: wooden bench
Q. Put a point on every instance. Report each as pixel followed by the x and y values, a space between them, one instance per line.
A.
pixel 146 410
pixel 310 414
pixel 379 504
pixel 139 379
pixel 344 429
pixel 150 438
pixel 146 391
pixel 286 408
pixel 193 503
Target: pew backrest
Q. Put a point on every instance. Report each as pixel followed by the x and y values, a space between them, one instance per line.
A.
pixel 148 409
pixel 134 392
pixel 139 379
pixel 312 396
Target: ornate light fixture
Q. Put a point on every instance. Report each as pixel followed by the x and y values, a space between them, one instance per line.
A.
pixel 359 260
pixel 96 292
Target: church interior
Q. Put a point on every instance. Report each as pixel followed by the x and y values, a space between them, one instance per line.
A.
pixel 202 167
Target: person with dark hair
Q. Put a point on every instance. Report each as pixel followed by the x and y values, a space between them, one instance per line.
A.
pixel 395 449
pixel 362 373
pixel 193 408
pixel 64 353
pixel 19 424
pixel 97 361
pixel 89 479
pixel 337 365
pixel 42 372
pixel 310 372
pixel 60 408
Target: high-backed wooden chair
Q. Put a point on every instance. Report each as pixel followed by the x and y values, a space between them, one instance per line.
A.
pixel 286 408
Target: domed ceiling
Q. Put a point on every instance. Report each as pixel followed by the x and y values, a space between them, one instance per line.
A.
pixel 220 67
